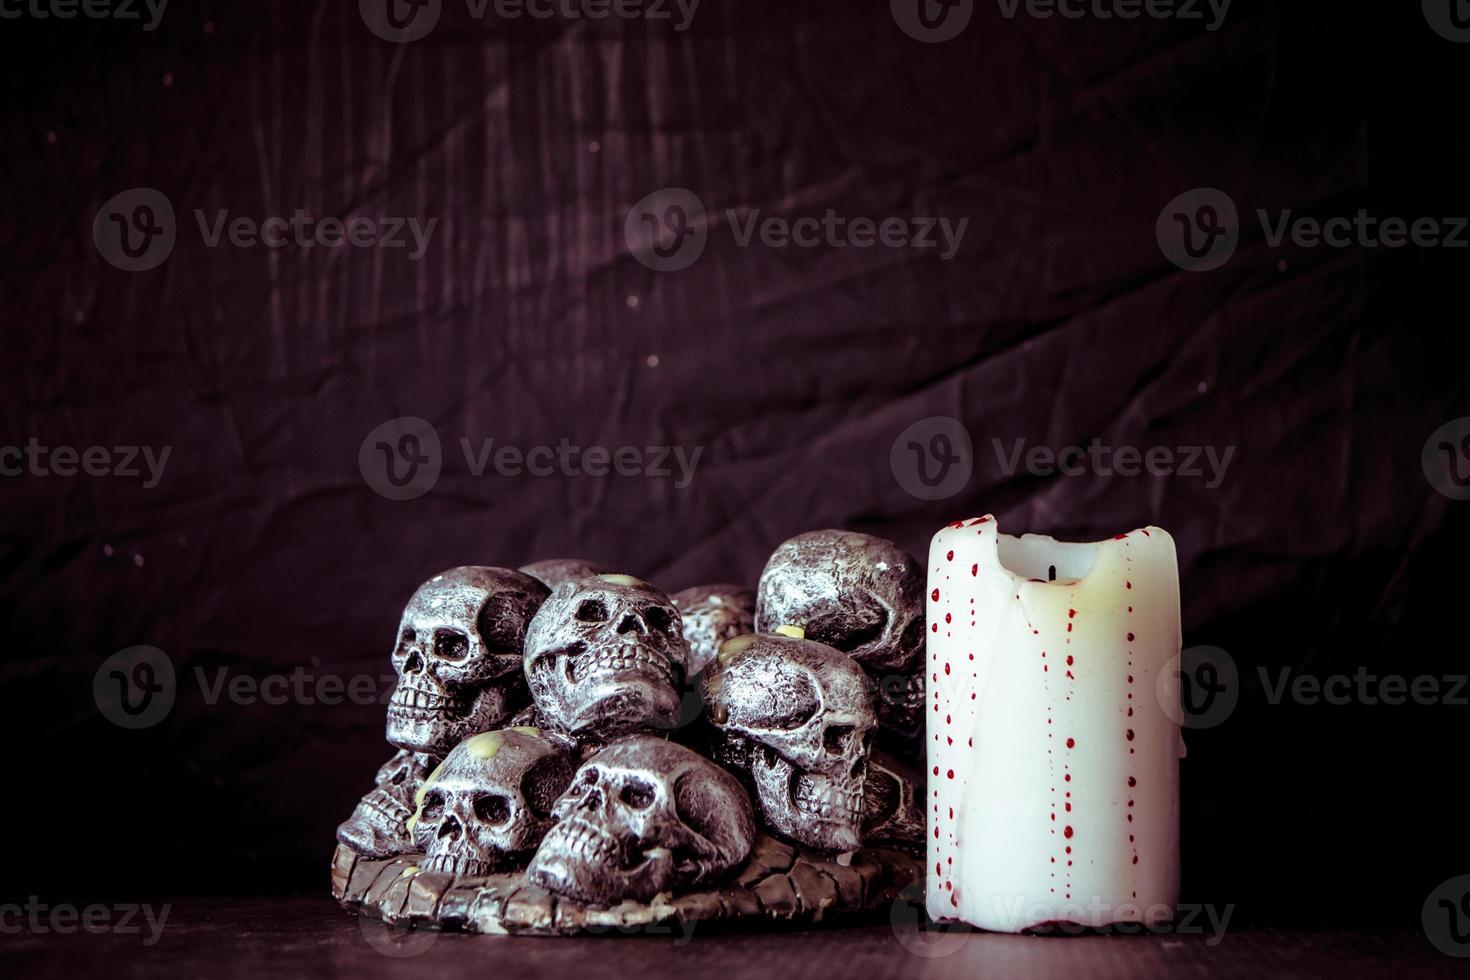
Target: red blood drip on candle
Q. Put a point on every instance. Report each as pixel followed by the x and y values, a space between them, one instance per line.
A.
pixel 935 628
pixel 1130 637
pixel 1128 585
pixel 1068 777
pixel 948 617
pixel 1130 802
pixel 1067 832
pixel 1071 614
pixel 1130 712
pixel 938 868
pixel 946 668
pixel 936 833
pixel 947 739
pixel 949 556
pixel 1069 848
pixel 946 719
pixel 1135 859
pixel 949 774
pixel 936 770
pixel 954 900
pixel 1132 781
pixel 1071 743
pixel 1069 660
pixel 1130 608
pixel 1130 734
pixel 970 741
pixel 1146 534
pixel 974 570
pixel 1069 627
pixel 934 595
pixel 1069 807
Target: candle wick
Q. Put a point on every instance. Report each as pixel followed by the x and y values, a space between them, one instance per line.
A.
pixel 1051 574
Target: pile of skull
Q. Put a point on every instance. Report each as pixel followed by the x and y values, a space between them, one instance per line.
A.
pixel 607 739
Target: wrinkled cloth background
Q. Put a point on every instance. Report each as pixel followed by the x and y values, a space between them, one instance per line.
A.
pixel 264 549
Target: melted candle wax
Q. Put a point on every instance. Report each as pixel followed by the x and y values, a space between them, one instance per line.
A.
pixel 1053 768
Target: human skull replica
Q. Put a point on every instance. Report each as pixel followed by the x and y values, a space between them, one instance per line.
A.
pixel 892 802
pixel 713 614
pixel 458 656
pixel 606 656
pixel 860 594
pixel 798 717
pixel 644 816
pixel 489 803
pixel 378 826
pixel 552 572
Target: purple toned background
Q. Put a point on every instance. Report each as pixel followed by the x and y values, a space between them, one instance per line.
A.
pixel 264 548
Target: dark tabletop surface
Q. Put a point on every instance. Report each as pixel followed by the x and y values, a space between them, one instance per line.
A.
pixel 311 936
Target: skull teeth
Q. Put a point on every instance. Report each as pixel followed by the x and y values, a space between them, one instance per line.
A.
pixel 617 660
pixel 828 800
pixel 586 842
pixel 462 865
pixel 411 702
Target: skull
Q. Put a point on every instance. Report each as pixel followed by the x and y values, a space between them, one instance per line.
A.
pixel 489 803
pixel 713 614
pixel 378 825
pixel 892 812
pixel 644 816
pixel 552 572
pixel 797 716
pixel 458 656
pixel 860 594
pixel 606 656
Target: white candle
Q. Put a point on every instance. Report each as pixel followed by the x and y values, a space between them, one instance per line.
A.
pixel 1053 770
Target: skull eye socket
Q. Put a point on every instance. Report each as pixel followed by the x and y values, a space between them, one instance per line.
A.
pixel 493 809
pixel 591 611
pixel 660 619
pixel 433 807
pixel 451 644
pixel 794 715
pixel 590 776
pixel 637 794
pixel 409 636
pixel 835 739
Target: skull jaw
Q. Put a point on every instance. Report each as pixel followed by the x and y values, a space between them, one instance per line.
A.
pixel 435 730
pixel 792 801
pixel 377 827
pixel 608 702
pixel 584 863
pixel 465 863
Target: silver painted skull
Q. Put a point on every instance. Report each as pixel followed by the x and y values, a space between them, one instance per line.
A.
pixel 860 594
pixel 458 657
pixel 713 614
pixel 606 656
pixel 798 718
pixel 552 572
pixel 893 797
pixel 378 826
pixel 644 816
pixel 489 803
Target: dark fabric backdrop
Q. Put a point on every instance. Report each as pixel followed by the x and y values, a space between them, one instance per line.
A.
pixel 264 549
